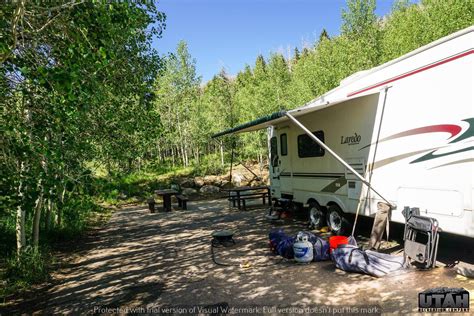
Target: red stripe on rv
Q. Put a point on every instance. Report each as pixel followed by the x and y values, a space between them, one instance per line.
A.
pixel 448 128
pixel 441 62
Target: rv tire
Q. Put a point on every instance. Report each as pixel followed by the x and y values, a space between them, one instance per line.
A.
pixel 317 218
pixel 337 221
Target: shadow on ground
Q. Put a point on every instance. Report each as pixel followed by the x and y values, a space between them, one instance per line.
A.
pixel 164 259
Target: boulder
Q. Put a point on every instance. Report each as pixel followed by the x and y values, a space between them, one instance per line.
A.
pixel 189 191
pixel 187 183
pixel 237 179
pixel 199 181
pixel 209 189
pixel 225 184
pixel 212 180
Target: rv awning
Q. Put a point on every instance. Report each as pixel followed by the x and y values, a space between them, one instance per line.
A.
pixel 278 117
pixel 254 125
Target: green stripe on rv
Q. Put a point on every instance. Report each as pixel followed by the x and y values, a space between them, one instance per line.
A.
pixel 335 185
pixel 260 120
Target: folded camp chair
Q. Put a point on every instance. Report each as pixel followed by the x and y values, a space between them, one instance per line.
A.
pixel 421 238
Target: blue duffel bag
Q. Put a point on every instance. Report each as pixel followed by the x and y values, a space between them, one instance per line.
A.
pixel 285 247
pixel 353 259
pixel 320 249
pixel 275 236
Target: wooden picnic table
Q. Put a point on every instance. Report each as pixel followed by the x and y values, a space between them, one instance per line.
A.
pixel 166 194
pixel 240 198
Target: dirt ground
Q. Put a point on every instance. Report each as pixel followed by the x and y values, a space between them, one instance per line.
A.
pixel 149 261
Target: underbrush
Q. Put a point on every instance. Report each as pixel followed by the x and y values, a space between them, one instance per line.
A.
pixel 33 265
pixel 30 267
pixel 137 186
pixel 210 165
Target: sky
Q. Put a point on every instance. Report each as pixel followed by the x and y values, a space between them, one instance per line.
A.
pixel 231 33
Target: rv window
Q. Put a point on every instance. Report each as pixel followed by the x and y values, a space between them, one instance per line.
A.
pixel 307 147
pixel 283 145
pixel 273 151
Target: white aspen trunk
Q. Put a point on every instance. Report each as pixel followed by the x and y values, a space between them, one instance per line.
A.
pixel 58 212
pixel 196 155
pixel 172 155
pixel 20 218
pixel 186 158
pixel 37 217
pixel 222 153
pixel 183 158
pixel 49 210
pixel 160 158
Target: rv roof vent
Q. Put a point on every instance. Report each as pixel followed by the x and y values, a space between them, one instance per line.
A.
pixel 353 77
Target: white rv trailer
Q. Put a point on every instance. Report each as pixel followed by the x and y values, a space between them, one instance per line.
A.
pixel 407 127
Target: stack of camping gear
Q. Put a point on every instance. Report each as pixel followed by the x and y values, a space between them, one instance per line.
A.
pixel 307 247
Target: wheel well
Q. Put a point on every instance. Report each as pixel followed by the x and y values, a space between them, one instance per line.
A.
pixel 311 201
pixel 331 203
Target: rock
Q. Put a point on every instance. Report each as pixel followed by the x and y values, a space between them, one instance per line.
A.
pixel 199 181
pixel 189 191
pixel 225 184
pixel 187 183
pixel 237 179
pixel 209 189
pixel 212 180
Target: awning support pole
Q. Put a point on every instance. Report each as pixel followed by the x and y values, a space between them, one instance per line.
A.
pixel 329 150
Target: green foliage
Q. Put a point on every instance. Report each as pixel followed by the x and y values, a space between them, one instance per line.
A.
pixel 76 86
pixel 31 267
pixel 359 18
pixel 210 164
pixel 411 26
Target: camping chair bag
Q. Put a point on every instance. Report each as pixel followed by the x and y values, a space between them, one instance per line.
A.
pixel 352 259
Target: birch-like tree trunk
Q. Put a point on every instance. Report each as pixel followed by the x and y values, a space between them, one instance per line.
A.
pixel 37 216
pixel 49 210
pixel 222 152
pixel 20 216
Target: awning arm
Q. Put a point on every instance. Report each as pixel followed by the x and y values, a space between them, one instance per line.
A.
pixel 345 164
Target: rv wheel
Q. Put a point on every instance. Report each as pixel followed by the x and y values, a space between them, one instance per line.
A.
pixel 336 220
pixel 316 216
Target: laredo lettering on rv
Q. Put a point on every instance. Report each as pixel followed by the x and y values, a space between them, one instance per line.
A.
pixel 351 140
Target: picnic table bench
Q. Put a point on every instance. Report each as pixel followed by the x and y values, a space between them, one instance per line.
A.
pixel 240 195
pixel 182 201
pixel 166 194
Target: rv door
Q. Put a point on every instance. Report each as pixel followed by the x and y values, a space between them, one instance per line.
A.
pixel 274 164
pixel 284 162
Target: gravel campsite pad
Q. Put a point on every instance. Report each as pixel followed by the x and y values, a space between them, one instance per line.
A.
pixel 143 260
